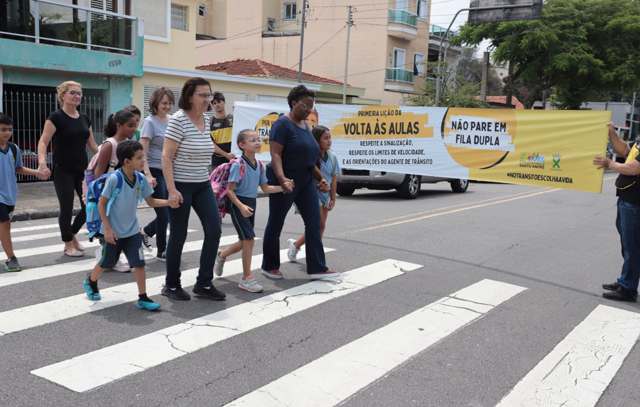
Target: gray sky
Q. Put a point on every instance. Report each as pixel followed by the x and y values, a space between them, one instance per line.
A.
pixel 442 12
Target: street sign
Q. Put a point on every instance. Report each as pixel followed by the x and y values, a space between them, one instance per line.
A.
pixel 492 11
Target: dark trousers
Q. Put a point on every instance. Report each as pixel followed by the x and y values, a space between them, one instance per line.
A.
pixel 628 225
pixel 158 226
pixel 67 184
pixel 305 196
pixel 199 196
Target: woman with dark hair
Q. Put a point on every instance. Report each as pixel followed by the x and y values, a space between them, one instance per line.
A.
pixel 70 133
pixel 186 155
pixel 152 140
pixel 294 156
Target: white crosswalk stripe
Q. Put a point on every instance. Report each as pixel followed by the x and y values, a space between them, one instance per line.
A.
pixel 581 366
pixel 35 251
pixel 57 270
pixel 103 366
pixel 64 308
pixel 34 228
pixel 329 380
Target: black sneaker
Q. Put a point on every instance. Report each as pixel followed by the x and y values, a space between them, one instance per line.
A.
pixel 178 293
pixel 209 292
pixel 621 294
pixel 611 287
pixel 146 241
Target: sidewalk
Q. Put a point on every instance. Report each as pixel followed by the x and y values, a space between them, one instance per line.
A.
pixel 37 200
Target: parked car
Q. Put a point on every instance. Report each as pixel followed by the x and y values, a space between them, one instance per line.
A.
pixel 407 185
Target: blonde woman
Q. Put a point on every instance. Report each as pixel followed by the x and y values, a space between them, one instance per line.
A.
pixel 70 133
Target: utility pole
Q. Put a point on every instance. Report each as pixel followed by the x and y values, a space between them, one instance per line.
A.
pixel 304 23
pixel 485 76
pixel 346 58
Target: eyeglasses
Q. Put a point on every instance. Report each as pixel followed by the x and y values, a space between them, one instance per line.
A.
pixel 75 93
pixel 205 95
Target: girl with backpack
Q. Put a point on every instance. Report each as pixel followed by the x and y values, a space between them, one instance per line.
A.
pixel 120 127
pixel 329 167
pixel 244 176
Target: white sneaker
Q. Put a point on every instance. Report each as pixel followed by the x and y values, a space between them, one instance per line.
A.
pixel 251 286
pixel 218 267
pixel 98 253
pixel 146 242
pixel 292 253
pixel 121 266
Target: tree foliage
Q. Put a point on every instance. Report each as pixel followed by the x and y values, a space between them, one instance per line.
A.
pixel 579 50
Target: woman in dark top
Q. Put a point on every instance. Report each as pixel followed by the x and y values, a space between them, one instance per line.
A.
pixel 70 133
pixel 294 155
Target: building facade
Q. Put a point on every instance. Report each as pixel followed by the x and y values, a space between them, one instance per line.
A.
pixel 388 45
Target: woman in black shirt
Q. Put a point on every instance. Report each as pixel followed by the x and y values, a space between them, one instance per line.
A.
pixel 70 133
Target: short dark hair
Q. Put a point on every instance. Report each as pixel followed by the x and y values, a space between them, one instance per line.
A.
pixel 126 150
pixel 156 98
pixel 298 93
pixel 188 89
pixel 6 119
pixel 318 131
pixel 133 109
pixel 242 136
pixel 218 97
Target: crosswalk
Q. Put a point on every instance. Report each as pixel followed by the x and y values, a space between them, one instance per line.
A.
pixel 575 372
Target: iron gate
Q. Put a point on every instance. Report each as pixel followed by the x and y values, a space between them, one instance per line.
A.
pixel 29 106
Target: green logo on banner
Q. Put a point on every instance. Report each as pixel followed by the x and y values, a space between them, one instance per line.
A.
pixel 555 161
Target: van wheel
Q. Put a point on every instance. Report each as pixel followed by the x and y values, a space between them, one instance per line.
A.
pixel 410 187
pixel 459 185
pixel 345 190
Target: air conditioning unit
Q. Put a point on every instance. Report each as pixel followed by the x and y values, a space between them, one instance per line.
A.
pixel 271 24
pixel 202 10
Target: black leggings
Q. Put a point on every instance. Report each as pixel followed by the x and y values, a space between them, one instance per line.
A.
pixel 66 184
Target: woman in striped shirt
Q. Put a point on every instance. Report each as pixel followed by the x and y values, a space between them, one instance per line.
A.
pixel 186 156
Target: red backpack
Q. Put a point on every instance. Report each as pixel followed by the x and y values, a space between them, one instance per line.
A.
pixel 219 180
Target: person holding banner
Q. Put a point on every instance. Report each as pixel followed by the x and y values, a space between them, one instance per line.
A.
pixel 294 155
pixel 628 217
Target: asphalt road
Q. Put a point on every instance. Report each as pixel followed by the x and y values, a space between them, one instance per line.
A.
pixel 351 341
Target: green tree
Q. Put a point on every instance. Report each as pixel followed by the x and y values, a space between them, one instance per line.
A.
pixel 459 93
pixel 578 50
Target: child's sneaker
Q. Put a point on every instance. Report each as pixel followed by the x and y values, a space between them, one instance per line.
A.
pixel 12 265
pixel 147 303
pixel 292 253
pixel 146 241
pixel 218 267
pixel 91 289
pixel 251 286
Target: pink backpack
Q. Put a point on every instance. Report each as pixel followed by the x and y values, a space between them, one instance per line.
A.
pixel 219 180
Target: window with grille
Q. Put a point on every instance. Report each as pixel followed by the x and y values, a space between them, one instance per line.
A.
pixel 418 64
pixel 290 11
pixel 179 17
pixel 155 15
pixel 422 9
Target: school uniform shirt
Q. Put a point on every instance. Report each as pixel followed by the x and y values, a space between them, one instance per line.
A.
pixel 329 168
pixel 221 135
pixel 254 176
pixel 122 216
pixel 195 148
pixel 153 129
pixel 8 181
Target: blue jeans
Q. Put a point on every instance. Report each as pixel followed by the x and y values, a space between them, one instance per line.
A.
pixel 158 226
pixel 305 196
pixel 199 196
pixel 628 225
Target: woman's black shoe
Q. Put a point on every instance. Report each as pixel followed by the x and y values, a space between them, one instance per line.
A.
pixel 178 294
pixel 621 294
pixel 209 292
pixel 611 287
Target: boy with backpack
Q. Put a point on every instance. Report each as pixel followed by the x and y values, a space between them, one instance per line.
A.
pixel 240 189
pixel 10 164
pixel 119 196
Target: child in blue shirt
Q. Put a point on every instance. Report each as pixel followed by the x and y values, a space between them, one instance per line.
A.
pixel 245 175
pixel 10 164
pixel 120 228
pixel 330 169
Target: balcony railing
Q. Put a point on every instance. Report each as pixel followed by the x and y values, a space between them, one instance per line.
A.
pixel 437 31
pixel 399 75
pixel 48 22
pixel 403 17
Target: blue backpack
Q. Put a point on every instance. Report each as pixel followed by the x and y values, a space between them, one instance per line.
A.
pixel 93 196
